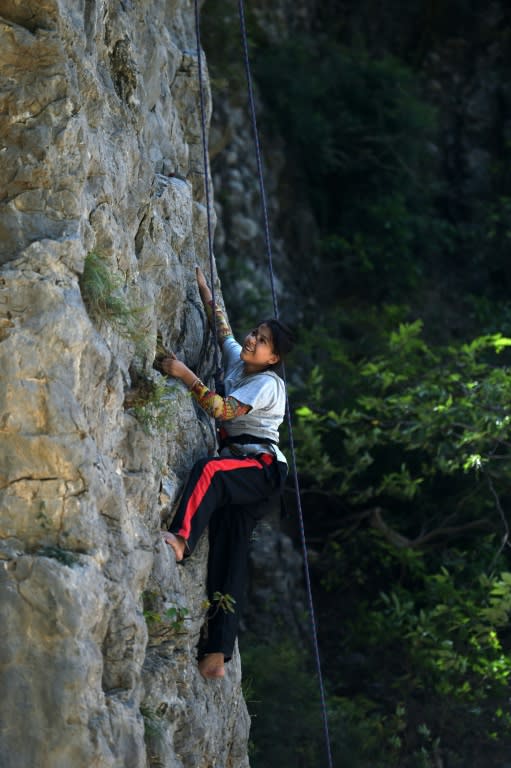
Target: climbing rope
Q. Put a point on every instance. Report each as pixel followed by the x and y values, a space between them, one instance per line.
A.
pixel 246 60
pixel 264 206
pixel 218 372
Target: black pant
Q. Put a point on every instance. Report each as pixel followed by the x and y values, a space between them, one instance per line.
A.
pixel 231 495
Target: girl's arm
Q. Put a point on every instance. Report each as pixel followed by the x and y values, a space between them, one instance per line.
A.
pixel 223 329
pixel 223 408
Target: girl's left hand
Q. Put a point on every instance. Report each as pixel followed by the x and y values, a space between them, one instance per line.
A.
pixel 204 289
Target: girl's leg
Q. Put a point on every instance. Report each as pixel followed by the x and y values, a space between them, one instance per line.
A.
pixel 229 538
pixel 215 483
pixel 224 493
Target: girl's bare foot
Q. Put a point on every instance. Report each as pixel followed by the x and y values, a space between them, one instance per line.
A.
pixel 176 542
pixel 211 666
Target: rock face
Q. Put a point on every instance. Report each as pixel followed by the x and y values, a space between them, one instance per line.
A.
pixel 100 152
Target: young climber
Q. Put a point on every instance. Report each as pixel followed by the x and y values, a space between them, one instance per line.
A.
pixel 226 491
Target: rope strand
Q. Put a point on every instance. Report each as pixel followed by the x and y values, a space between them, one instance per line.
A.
pixel 257 145
pixel 206 189
pixel 264 206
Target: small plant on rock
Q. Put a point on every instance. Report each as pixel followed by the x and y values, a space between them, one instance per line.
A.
pixel 105 298
pixel 220 602
pixel 152 721
pixel 163 624
pixel 152 405
pixel 64 556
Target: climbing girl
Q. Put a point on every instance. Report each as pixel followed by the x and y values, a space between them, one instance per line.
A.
pixel 226 491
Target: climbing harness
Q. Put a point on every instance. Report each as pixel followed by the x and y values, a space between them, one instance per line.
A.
pixel 260 174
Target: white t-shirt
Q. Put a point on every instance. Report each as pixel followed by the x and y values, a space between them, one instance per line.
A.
pixel 264 392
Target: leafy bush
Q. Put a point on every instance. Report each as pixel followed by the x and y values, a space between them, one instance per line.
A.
pixel 419 466
pixel 435 646
pixel 442 411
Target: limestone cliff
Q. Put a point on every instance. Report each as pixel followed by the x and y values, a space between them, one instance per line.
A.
pixel 100 152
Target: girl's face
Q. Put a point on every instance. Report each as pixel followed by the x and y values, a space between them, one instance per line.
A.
pixel 257 350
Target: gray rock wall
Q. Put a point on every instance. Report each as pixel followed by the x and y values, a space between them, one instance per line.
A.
pixel 99 110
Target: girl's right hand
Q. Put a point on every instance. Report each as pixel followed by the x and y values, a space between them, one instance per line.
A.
pixel 174 367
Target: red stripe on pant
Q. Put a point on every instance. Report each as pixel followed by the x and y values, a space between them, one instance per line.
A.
pixel 204 482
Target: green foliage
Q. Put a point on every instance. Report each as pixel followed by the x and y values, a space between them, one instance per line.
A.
pixel 153 406
pixel 420 458
pixel 422 414
pixel 105 297
pixel 450 641
pixel 163 624
pixel 223 602
pixel 434 646
pixel 167 624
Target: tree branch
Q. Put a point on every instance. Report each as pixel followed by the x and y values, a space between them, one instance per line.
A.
pixel 402 542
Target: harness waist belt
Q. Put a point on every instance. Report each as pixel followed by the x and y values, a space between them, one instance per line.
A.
pixel 245 439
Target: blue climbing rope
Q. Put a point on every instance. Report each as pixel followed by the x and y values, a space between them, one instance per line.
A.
pixel 246 59
pixel 264 206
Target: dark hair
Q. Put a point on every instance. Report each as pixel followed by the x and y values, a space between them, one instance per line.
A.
pixel 282 337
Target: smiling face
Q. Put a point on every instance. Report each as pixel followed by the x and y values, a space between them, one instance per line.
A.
pixel 257 350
